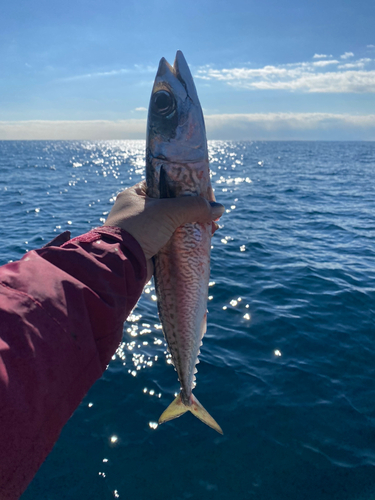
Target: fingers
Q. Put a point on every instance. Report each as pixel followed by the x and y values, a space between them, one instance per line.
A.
pixel 190 209
pixel 214 226
pixel 141 188
pixel 217 209
pixel 181 210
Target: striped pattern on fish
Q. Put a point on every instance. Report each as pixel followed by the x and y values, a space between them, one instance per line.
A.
pixel 177 165
pixel 181 278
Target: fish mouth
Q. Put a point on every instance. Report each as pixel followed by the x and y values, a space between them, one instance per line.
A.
pixel 181 71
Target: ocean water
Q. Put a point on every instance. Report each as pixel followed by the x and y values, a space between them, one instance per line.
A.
pixel 287 366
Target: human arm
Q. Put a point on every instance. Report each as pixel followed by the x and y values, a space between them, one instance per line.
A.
pixel 61 316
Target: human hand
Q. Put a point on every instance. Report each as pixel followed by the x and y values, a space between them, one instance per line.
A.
pixel 152 221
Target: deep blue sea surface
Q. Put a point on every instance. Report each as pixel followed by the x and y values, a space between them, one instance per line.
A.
pixel 288 362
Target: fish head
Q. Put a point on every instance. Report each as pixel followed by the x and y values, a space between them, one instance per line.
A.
pixel 175 128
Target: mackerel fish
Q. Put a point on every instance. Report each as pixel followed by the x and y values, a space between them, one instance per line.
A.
pixel 177 165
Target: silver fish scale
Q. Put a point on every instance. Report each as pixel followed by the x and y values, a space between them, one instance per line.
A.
pixel 181 280
pixel 177 165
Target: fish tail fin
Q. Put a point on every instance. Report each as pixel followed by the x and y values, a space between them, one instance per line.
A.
pixel 174 410
pixel 197 409
pixel 177 408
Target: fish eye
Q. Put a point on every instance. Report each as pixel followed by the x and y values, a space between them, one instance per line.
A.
pixel 163 103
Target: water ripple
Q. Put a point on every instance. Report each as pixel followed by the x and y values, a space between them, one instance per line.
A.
pixel 287 365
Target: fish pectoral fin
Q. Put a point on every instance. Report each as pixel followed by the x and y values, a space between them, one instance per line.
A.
pixel 177 408
pixel 174 410
pixel 197 409
pixel 165 189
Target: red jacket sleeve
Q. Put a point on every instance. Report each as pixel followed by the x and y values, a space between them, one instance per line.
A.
pixel 62 311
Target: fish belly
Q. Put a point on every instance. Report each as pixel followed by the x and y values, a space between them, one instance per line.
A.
pixel 182 271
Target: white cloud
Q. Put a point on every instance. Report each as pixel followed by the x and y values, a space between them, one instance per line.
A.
pixel 73 130
pixel 303 77
pixel 322 64
pixel 138 68
pixel 346 55
pixel 140 109
pixel 289 126
pixel 370 46
pixel 320 56
pixel 261 126
pixel 116 72
pixel 357 64
pixel 292 120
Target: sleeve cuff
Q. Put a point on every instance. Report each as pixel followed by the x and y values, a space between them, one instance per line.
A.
pixel 114 233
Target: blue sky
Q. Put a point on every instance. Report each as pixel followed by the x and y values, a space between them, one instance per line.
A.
pixel 263 70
